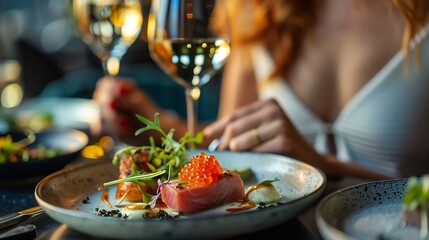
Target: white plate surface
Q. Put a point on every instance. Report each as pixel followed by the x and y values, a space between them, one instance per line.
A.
pixel 61 195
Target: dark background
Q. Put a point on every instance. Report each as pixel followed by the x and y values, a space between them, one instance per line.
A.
pixel 54 61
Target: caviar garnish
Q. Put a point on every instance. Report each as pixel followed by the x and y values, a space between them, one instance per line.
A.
pixel 201 169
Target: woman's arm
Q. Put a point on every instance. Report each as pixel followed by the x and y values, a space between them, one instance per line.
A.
pixel 238 82
pixel 121 99
pixel 263 127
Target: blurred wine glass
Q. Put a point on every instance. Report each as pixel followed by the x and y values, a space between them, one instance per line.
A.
pixel 109 28
pixel 11 92
pixel 185 43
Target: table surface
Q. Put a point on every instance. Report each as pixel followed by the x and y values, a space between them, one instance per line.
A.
pixel 18 196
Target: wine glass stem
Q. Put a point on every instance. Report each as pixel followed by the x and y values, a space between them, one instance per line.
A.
pixel 111 66
pixel 104 66
pixel 111 72
pixel 192 109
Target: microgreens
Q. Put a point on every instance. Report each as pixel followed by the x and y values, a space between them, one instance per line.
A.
pixel 122 198
pixel 170 155
pixel 135 178
pixel 416 198
pixel 159 186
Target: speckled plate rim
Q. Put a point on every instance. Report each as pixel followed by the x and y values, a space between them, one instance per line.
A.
pixel 325 228
pixel 291 205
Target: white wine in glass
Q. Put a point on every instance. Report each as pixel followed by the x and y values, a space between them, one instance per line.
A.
pixel 108 27
pixel 183 42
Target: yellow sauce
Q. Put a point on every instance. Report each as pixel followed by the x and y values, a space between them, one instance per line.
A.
pixel 105 197
pixel 245 205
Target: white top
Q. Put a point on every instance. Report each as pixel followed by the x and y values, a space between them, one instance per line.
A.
pixel 384 127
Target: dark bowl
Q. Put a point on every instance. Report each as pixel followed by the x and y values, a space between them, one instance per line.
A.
pixel 70 141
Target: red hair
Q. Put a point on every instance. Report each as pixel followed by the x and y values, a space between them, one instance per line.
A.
pixel 284 22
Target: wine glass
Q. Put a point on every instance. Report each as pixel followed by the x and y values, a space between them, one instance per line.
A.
pixel 108 27
pixel 185 43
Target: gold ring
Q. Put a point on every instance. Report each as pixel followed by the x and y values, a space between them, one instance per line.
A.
pixel 255 134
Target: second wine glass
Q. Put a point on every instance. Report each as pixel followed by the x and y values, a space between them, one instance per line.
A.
pixel 185 44
pixel 108 27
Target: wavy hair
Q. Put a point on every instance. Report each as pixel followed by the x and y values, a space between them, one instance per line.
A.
pixel 286 21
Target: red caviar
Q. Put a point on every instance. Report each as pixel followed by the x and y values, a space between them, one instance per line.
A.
pixel 202 169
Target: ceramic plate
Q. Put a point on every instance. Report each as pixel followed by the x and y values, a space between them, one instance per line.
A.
pixel 71 142
pixel 365 211
pixel 62 196
pixel 63 113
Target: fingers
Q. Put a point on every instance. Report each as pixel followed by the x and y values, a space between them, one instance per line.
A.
pixel 241 142
pixel 217 129
pixel 109 90
pixel 126 96
pixel 239 134
pixel 278 145
pixel 113 96
pixel 249 126
pixel 261 136
pixel 104 88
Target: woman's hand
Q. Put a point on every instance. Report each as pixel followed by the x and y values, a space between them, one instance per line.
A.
pixel 120 100
pixel 264 127
pixel 261 126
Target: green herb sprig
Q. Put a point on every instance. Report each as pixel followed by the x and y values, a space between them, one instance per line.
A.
pixel 170 156
pixel 135 178
pixel 416 198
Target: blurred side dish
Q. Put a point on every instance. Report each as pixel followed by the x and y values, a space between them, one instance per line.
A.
pixel 15 152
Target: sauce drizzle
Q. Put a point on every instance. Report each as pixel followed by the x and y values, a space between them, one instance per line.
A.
pixel 253 188
pixel 105 197
pixel 245 205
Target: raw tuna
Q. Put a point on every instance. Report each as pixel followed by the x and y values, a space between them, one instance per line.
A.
pixel 197 197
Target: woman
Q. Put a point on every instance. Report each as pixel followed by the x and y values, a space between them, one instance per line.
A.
pixel 334 83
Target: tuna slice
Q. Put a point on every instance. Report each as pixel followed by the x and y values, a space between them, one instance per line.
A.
pixel 194 198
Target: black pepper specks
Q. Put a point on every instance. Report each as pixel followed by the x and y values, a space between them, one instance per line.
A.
pixel 159 214
pixel 115 213
pixel 86 200
pixel 262 205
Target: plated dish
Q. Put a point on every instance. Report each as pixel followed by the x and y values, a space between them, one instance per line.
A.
pixel 67 143
pixel 73 196
pixel 371 210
